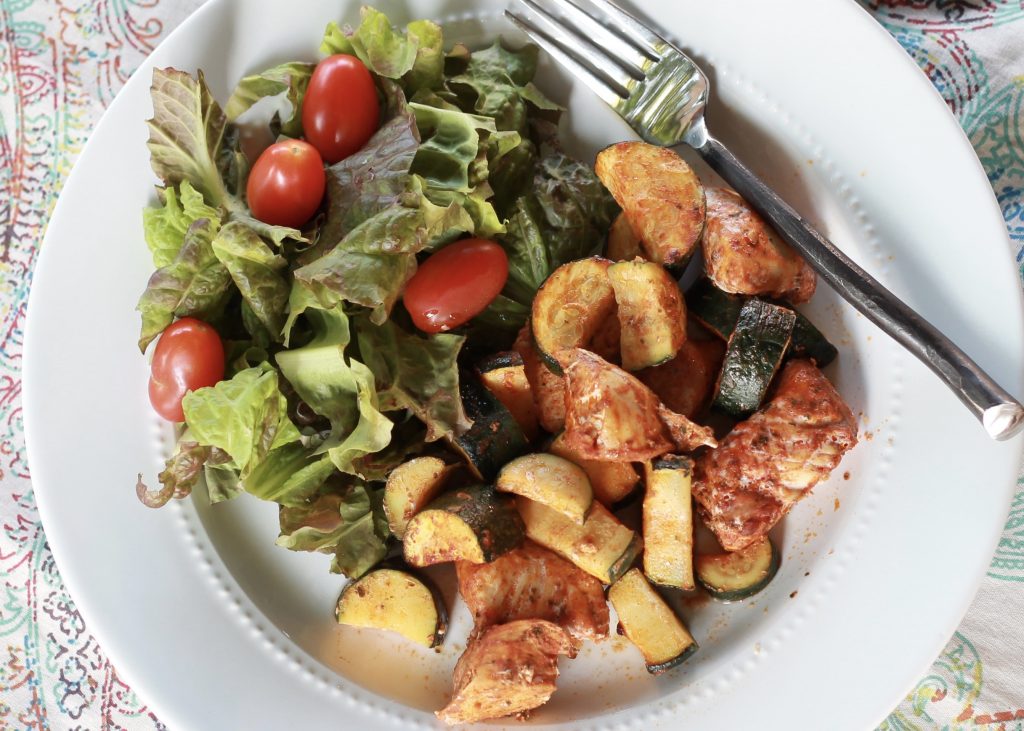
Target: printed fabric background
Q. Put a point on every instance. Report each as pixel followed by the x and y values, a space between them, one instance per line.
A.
pixel 62 62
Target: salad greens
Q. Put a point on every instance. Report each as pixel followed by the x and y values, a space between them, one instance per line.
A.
pixel 328 385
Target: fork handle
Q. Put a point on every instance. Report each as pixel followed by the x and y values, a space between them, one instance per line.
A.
pixel 999 412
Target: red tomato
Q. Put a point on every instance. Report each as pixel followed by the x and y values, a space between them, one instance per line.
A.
pixel 340 112
pixel 286 184
pixel 456 284
pixel 188 356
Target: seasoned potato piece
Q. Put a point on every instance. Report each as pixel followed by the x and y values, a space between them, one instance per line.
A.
pixel 548 388
pixel 651 312
pixel 611 481
pixel 686 382
pixel 510 669
pixel 623 243
pixel 660 194
pixel 504 375
pixel 743 255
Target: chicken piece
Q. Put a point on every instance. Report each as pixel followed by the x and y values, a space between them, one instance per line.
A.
pixel 509 669
pixel 687 435
pixel 547 387
pixel 685 383
pixel 774 458
pixel 532 582
pixel 743 255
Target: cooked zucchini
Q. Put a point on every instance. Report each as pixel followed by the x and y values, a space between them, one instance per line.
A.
pixel 610 415
pixel 668 521
pixel 686 382
pixel 548 388
pixel 570 307
pixel 755 352
pixel 509 669
pixel 651 311
pixel 611 481
pixel 504 375
pixel 660 194
pixel 602 546
pixel 551 480
pixel 397 601
pixel 473 524
pixel 742 254
pixel 410 486
pixel 623 243
pixel 494 436
pixel 607 341
pixel 650 623
pixel 809 342
pixel 732 577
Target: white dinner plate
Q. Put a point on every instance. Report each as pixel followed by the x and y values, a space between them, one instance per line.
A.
pixel 217 628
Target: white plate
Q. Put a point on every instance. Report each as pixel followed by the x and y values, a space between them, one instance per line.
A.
pixel 217 628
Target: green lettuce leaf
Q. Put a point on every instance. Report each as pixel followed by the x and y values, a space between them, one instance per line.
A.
pixel 290 79
pixel 186 134
pixel 415 373
pixel 257 272
pixel 427 70
pixel 164 226
pixel 195 284
pixel 529 263
pixel 348 525
pixel 247 417
pixel 289 475
pixel 408 437
pixel 452 155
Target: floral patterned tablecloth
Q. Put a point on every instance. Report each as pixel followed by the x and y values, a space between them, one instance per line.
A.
pixel 62 62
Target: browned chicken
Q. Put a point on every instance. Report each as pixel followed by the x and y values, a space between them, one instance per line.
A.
pixel 743 255
pixel 531 582
pixel 509 669
pixel 773 459
pixel 684 384
pixel 548 388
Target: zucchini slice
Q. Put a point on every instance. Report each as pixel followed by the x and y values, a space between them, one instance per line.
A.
pixel 607 341
pixel 686 382
pixel 755 352
pixel 494 436
pixel 650 623
pixel 570 307
pixel 660 194
pixel 611 481
pixel 602 546
pixel 623 243
pixel 732 577
pixel 809 342
pixel 504 375
pixel 397 601
pixel 410 486
pixel 610 415
pixel 668 521
pixel 548 388
pixel 473 524
pixel 551 480
pixel 651 311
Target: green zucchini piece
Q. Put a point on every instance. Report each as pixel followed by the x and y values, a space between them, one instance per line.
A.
pixel 738 575
pixel 651 312
pixel 570 307
pixel 623 243
pixel 551 480
pixel 668 521
pixel 409 487
pixel 601 546
pixel 755 352
pixel 398 601
pixel 473 524
pixel 809 342
pixel 650 624
pixel 494 437
pixel 504 375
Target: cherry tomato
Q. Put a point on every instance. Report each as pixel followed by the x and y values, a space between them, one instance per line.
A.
pixel 340 112
pixel 188 356
pixel 286 184
pixel 456 284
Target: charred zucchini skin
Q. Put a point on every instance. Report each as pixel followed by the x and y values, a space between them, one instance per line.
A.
pixel 659 668
pixel 441 611
pixel 809 342
pixel 755 352
pixel 491 516
pixel 755 586
pixel 495 437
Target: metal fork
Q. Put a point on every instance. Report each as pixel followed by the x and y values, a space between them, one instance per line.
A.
pixel 662 94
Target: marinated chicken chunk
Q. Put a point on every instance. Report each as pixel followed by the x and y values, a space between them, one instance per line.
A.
pixel 548 389
pixel 772 460
pixel 509 669
pixel 743 255
pixel 532 582
pixel 684 384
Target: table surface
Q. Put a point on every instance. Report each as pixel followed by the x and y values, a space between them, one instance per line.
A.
pixel 62 62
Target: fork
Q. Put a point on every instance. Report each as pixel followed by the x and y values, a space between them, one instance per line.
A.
pixel 662 94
